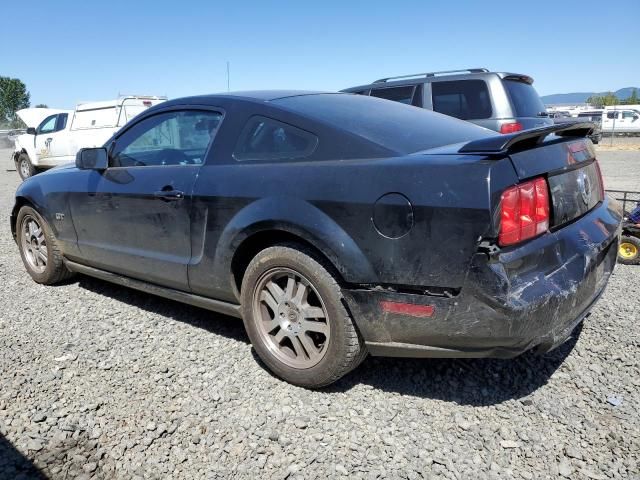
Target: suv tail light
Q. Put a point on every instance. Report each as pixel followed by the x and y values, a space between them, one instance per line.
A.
pixel 512 127
pixel 524 212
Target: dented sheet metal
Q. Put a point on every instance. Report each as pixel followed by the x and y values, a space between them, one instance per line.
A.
pixel 532 296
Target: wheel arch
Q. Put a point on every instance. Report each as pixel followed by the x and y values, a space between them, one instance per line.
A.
pixel 269 222
pixel 264 239
pixel 19 203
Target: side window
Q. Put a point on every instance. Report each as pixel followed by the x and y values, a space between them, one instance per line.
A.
pixel 267 139
pixel 48 125
pixel 62 122
pixel 171 138
pixel 611 115
pixel 402 94
pixel 631 115
pixel 464 99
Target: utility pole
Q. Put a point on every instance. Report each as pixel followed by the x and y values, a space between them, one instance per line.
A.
pixel 228 76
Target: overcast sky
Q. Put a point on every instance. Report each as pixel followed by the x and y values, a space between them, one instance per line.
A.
pixel 71 51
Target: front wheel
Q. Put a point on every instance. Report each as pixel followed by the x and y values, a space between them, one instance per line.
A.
pixel 39 248
pixel 629 250
pixel 25 167
pixel 295 318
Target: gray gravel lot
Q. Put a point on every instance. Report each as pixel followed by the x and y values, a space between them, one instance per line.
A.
pixel 97 381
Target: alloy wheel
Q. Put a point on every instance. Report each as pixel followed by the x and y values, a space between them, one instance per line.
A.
pixel 34 244
pixel 292 318
pixel 25 169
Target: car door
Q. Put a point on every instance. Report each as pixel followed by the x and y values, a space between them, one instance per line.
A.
pixel 134 217
pixel 45 135
pixel 630 121
pixel 59 140
pixel 610 122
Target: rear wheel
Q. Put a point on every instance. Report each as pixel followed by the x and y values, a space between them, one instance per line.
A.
pixel 295 318
pixel 629 250
pixel 24 166
pixel 39 248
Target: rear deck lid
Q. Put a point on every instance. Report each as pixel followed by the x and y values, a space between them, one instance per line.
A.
pixel 572 173
pixel 567 161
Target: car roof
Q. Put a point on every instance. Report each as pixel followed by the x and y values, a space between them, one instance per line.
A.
pixel 248 95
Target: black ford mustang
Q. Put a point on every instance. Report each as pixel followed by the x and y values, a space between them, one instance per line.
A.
pixel 336 225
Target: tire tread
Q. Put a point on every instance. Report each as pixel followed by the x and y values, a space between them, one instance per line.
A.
pixel 353 349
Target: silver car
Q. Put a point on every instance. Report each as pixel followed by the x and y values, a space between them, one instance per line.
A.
pixel 500 101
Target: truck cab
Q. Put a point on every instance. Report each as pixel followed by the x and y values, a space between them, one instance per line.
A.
pixel 55 139
pixel 623 121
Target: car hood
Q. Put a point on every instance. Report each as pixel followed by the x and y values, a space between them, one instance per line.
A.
pixel 33 116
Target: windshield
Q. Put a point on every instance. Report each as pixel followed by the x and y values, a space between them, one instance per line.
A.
pixel 525 99
pixel 393 125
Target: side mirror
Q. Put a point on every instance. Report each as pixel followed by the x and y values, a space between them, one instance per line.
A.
pixel 92 159
pixel 31 131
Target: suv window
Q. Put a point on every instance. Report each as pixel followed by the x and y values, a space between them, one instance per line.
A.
pixel 48 125
pixel 524 98
pixel 631 115
pixel 464 99
pixel 612 115
pixel 402 94
pixel 171 138
pixel 62 121
pixel 268 139
pixel 593 117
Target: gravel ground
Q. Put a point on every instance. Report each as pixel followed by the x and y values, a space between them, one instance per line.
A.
pixel 97 381
pixel 620 169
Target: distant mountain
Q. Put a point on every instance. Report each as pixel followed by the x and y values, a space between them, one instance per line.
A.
pixel 581 97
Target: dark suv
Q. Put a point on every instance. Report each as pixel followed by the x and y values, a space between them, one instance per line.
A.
pixel 504 102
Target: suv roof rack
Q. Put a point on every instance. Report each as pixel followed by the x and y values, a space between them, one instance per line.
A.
pixel 433 74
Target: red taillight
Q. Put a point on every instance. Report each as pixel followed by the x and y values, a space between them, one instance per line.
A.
pixel 524 211
pixel 511 127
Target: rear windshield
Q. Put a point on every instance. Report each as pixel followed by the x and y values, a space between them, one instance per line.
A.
pixel 525 99
pixel 398 127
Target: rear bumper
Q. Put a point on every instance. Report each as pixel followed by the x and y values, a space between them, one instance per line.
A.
pixel 530 296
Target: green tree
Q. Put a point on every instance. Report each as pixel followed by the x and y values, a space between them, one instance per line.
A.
pixel 633 98
pixel 42 105
pixel 600 101
pixel 13 97
pixel 596 101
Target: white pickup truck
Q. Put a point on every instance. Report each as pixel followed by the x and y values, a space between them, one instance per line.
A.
pixel 621 120
pixel 54 136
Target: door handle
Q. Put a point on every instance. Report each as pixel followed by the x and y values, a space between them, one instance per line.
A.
pixel 169 195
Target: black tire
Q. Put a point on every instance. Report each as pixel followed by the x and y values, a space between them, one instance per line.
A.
pixel 24 166
pixel 344 349
pixel 631 254
pixel 54 271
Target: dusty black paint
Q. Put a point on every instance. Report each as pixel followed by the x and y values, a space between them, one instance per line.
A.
pixel 486 303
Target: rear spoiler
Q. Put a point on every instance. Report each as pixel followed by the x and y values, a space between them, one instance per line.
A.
pixel 501 144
